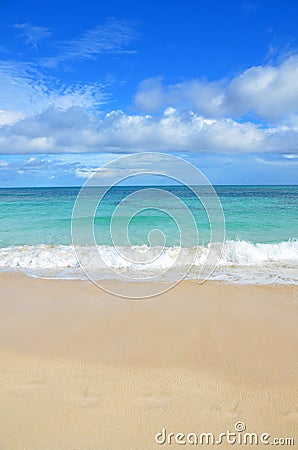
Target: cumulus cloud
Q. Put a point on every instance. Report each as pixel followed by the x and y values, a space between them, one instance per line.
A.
pixel 268 92
pixel 77 130
pixel 41 115
pixel 153 95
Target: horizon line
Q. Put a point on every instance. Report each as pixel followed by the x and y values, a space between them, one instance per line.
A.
pixel 140 185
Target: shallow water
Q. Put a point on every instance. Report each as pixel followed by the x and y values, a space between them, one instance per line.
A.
pixel 261 224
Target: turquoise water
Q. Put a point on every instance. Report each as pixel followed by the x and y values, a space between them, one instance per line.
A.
pixel 260 218
pixel 266 214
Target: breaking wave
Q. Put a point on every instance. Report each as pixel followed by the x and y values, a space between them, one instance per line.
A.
pixel 239 262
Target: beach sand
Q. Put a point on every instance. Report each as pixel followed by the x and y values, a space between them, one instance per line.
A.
pixel 82 370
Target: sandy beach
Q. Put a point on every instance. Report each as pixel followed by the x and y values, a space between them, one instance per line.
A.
pixel 81 369
pixel 145 148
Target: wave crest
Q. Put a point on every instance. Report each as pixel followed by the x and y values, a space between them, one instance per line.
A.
pixel 240 261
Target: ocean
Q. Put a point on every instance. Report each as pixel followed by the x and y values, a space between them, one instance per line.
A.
pixel 261 232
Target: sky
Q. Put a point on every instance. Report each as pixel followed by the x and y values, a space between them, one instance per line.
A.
pixel 213 82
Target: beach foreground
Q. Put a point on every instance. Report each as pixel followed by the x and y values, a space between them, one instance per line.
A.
pixel 81 369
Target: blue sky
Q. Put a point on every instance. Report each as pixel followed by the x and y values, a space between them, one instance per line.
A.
pixel 215 82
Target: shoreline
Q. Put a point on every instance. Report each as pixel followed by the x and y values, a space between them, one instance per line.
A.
pixel 237 262
pixel 109 281
pixel 82 369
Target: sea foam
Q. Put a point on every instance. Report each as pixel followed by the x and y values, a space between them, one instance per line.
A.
pixel 239 261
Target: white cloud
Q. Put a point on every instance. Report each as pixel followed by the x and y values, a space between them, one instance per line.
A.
pixel 277 163
pixel 101 172
pixel 32 34
pixel 9 117
pixel 43 167
pixel 25 91
pixel 114 37
pixel 269 92
pixel 53 167
pixel 77 130
pixel 85 172
pixel 290 156
pixel 41 115
pixel 201 96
